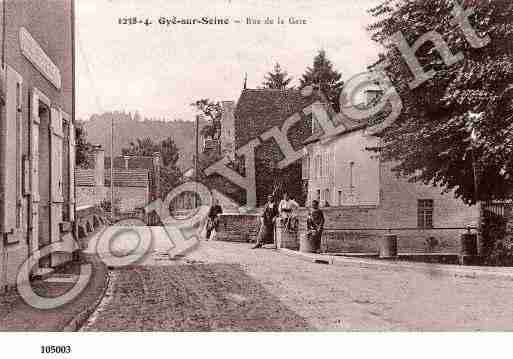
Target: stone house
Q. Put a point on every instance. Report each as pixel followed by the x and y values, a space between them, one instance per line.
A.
pixel 257 116
pixel 362 197
pixel 37 146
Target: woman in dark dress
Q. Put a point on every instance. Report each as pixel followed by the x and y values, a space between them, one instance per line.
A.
pixel 266 232
pixel 315 224
pixel 213 218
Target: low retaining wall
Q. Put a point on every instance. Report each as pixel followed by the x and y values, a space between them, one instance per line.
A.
pixel 351 235
pixel 238 227
pixel 88 219
pixel 408 241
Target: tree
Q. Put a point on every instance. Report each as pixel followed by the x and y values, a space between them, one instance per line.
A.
pixel 277 79
pixel 432 140
pixel 170 174
pixel 213 111
pixel 326 77
pixel 83 149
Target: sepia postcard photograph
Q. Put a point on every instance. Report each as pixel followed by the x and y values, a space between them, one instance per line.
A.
pixel 194 177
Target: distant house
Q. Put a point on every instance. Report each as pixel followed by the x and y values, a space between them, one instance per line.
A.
pixel 363 193
pixel 131 189
pixel 132 186
pixel 149 163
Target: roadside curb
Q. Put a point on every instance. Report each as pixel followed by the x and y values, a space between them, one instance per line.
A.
pixel 472 272
pixel 78 320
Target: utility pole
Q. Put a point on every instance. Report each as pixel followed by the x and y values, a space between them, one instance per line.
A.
pixel 196 161
pixel 112 166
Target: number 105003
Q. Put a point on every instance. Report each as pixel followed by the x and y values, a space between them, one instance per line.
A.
pixel 55 349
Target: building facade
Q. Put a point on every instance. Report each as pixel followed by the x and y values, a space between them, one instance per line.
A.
pixel 36 132
pixel 362 198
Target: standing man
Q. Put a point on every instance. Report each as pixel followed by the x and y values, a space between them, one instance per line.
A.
pixel 213 217
pixel 315 225
pixel 286 208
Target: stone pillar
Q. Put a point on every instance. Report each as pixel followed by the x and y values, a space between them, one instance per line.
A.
pixel 285 238
pixel 228 129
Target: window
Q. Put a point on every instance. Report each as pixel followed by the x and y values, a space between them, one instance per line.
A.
pixel 425 213
pixel 319 195
pixel 320 166
pixel 327 197
pixel 339 198
pixel 306 167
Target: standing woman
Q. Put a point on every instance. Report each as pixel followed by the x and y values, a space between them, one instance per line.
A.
pixel 266 232
pixel 315 224
pixel 213 218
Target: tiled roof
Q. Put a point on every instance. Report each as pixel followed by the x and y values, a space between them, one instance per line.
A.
pixel 260 109
pixel 84 177
pixel 134 162
pixel 122 178
pixel 128 178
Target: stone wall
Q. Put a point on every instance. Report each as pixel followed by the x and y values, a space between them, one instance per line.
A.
pixel 127 199
pixel 358 230
pixel 238 227
pixel 90 196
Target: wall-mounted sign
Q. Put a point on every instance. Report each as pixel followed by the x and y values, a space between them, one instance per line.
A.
pixel 36 55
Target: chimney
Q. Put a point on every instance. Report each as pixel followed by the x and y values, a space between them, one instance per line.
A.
pixel 228 129
pixel 99 165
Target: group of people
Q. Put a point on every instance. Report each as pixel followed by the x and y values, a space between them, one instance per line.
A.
pixel 285 211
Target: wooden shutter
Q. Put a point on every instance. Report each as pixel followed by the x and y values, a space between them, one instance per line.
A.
pixel 34 170
pixel 11 152
pixel 56 155
pixel 71 181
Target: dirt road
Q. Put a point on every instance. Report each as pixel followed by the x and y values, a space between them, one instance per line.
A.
pixel 226 286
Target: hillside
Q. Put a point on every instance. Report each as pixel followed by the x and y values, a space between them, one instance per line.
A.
pixel 128 128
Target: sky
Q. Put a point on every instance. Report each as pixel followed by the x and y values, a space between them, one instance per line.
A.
pixel 159 70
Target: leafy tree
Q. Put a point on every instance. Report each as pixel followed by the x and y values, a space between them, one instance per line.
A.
pixel 213 111
pixel 170 174
pixel 431 141
pixel 83 149
pixel 277 79
pixel 323 74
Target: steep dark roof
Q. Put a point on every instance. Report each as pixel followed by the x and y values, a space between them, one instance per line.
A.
pixel 260 109
pixel 128 178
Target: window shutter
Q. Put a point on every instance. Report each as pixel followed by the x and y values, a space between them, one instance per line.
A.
pixel 34 151
pixel 11 152
pixel 71 181
pixel 56 155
